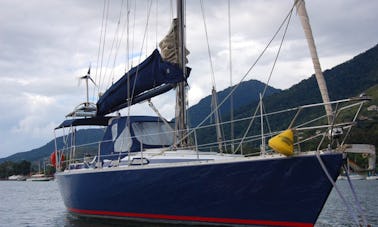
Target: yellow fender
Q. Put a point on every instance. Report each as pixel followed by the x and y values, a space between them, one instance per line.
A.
pixel 283 142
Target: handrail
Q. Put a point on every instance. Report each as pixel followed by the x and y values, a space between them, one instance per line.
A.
pixel 305 126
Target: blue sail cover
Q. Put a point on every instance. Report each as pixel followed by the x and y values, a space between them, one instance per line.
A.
pixel 152 77
pixel 100 121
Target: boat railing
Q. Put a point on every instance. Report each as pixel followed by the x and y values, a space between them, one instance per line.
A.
pixel 77 155
pixel 308 133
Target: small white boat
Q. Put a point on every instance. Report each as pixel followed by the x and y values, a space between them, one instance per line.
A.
pixel 353 176
pixel 39 177
pixel 373 177
pixel 17 178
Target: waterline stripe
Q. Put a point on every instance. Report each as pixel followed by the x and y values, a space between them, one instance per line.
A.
pixel 192 218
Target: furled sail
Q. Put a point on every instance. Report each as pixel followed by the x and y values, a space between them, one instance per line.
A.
pixel 152 77
pixel 169 45
pixel 174 51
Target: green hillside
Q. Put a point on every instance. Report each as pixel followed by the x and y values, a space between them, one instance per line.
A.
pixel 366 130
pixel 345 80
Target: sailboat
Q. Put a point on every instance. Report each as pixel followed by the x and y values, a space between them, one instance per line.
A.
pixel 40 176
pixel 150 169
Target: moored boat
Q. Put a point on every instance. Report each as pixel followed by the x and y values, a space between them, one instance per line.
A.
pixel 352 177
pixel 372 177
pixel 17 178
pixel 39 177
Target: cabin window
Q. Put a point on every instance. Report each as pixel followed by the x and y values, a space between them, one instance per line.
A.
pixel 122 140
pixel 153 133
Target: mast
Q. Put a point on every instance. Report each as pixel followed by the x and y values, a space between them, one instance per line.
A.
pixel 181 119
pixel 301 9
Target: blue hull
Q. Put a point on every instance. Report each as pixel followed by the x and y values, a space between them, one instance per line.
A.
pixel 275 192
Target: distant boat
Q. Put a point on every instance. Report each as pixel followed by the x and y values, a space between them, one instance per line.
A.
pixel 352 170
pixel 147 168
pixel 353 176
pixel 373 177
pixel 17 178
pixel 39 177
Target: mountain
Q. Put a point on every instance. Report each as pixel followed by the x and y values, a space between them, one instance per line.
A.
pixel 343 81
pixel 246 93
pixel 83 136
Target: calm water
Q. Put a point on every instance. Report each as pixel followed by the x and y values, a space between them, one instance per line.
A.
pixel 39 204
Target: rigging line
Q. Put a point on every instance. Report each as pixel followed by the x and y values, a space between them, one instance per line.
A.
pixel 119 40
pixel 334 183
pixel 128 123
pixel 127 68
pixel 213 92
pixel 358 204
pixel 99 49
pixel 130 96
pixel 222 133
pixel 247 130
pixel 325 170
pixel 359 207
pixel 118 44
pixel 103 44
pixel 127 65
pixel 248 71
pixel 273 67
pixel 133 39
pixel 287 21
pixel 267 120
pixel 230 68
pixel 115 41
pixel 141 49
pixel 144 40
pixel 278 52
pixel 128 82
pixel 208 45
pixel 156 24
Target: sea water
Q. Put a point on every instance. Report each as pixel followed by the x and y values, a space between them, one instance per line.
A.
pixel 31 204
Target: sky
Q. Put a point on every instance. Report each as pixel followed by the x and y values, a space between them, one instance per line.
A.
pixel 46 45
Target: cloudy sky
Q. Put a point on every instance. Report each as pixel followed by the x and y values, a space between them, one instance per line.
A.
pixel 45 45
